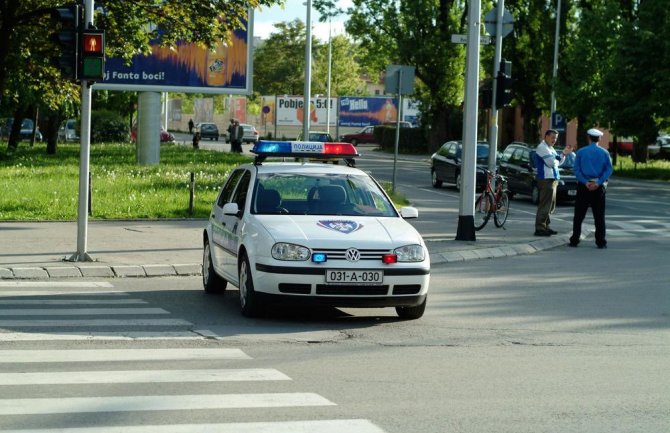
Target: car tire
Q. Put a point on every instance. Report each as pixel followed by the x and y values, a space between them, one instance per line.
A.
pixel 412 313
pixel 437 183
pixel 210 279
pixel 249 304
pixel 354 142
pixel 535 194
pixel 458 181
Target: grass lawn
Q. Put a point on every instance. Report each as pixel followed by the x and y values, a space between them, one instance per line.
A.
pixel 40 187
pixel 655 169
pixel 37 186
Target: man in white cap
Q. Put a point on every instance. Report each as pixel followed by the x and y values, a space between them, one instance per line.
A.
pixel 593 167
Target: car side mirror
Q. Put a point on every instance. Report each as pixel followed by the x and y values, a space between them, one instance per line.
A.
pixel 409 212
pixel 231 209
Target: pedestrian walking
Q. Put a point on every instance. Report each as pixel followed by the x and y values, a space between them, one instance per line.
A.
pixel 547 162
pixel 190 126
pixel 236 133
pixel 593 168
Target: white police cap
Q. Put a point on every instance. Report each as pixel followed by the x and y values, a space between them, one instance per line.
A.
pixel 593 132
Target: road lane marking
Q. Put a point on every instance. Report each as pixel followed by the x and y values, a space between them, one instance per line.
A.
pixel 73 284
pixel 103 335
pixel 317 426
pixel 35 406
pixel 141 376
pixel 96 355
pixel 26 293
pixel 80 311
pixel 72 301
pixel 95 322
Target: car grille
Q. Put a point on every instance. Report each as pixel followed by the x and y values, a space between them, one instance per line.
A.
pixel 329 289
pixel 339 253
pixel 406 289
pixel 301 289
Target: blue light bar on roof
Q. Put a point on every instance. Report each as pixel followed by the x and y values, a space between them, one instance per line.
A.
pixel 312 149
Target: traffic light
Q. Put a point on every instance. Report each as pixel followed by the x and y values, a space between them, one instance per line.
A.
pixel 92 55
pixel 67 38
pixel 504 83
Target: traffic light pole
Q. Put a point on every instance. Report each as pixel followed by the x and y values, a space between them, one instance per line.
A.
pixel 493 124
pixel 84 158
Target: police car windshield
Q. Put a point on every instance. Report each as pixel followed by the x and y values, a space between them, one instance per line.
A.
pixel 320 194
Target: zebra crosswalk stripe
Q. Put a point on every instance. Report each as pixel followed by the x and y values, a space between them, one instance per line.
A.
pixel 80 311
pixel 96 355
pixel 141 376
pixel 317 426
pixel 34 406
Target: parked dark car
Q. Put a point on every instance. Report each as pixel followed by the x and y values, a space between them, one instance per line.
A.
pixel 517 163
pixel 445 164
pixel 365 135
pixel 26 132
pixel 207 130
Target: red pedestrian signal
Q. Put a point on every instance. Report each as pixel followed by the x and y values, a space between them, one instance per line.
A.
pixel 92 55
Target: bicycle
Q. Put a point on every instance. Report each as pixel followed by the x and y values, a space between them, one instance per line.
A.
pixel 492 203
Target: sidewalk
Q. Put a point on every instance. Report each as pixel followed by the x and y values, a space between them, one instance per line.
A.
pixel 174 247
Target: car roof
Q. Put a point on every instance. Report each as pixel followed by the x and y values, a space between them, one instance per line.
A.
pixel 303 168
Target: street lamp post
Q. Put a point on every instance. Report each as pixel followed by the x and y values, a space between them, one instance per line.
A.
pixel 555 71
pixel 330 63
pixel 308 72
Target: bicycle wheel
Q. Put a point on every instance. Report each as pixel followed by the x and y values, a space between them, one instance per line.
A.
pixel 483 209
pixel 502 209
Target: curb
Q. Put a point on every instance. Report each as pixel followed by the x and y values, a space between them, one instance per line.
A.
pixel 195 269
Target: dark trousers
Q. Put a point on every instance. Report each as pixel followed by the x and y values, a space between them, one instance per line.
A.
pixel 596 200
pixel 236 146
pixel 546 203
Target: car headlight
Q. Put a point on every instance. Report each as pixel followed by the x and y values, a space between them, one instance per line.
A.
pixel 286 251
pixel 410 253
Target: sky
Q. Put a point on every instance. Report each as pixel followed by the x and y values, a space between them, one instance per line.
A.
pixel 265 19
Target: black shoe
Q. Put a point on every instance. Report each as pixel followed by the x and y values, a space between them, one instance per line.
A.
pixel 542 233
pixel 602 247
pixel 553 232
pixel 573 245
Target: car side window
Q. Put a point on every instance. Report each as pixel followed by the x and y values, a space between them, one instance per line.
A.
pixel 229 187
pixel 444 150
pixel 240 195
pixel 524 156
pixel 506 155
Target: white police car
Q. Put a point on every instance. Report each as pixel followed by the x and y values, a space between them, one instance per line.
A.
pixel 314 233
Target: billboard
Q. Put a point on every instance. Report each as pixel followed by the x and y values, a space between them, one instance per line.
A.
pixel 188 68
pixel 365 111
pixel 290 111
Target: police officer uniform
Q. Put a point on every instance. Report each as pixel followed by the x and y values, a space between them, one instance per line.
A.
pixel 593 167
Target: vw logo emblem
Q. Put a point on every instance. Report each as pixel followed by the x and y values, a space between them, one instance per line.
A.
pixel 353 255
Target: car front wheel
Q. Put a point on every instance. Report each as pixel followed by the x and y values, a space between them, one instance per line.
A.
pixel 210 280
pixel 249 304
pixel 437 183
pixel 535 195
pixel 412 313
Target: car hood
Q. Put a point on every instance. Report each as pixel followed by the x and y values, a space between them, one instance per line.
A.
pixel 341 231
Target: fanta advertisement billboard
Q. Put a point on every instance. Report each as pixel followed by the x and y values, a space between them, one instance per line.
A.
pixel 188 68
pixel 290 111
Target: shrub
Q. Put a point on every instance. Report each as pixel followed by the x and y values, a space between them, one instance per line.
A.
pixel 108 126
pixel 411 140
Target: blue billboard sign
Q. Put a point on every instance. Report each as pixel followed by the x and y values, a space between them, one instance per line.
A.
pixel 365 111
pixel 186 68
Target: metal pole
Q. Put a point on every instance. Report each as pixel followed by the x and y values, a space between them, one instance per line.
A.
pixel 330 63
pixel 308 73
pixel 466 222
pixel 493 131
pixel 84 158
pixel 397 131
pixel 555 72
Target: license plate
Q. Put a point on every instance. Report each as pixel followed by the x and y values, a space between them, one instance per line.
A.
pixel 572 192
pixel 341 276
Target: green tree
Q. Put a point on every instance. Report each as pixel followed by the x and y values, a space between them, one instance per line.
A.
pixel 25 47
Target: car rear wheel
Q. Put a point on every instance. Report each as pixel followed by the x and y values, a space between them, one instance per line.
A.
pixel 436 182
pixel 249 304
pixel 412 313
pixel 458 181
pixel 210 280
pixel 354 142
